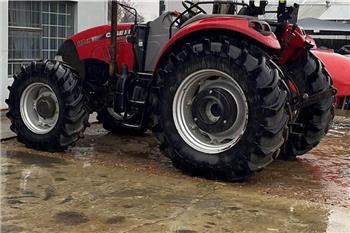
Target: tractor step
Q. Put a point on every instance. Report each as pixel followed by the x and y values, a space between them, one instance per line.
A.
pixel 132 126
pixel 137 102
pixel 135 95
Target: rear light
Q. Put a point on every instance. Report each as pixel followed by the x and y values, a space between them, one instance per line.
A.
pixel 261 27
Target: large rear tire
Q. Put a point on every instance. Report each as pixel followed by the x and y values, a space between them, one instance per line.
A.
pixel 313 122
pixel 46 106
pixel 242 129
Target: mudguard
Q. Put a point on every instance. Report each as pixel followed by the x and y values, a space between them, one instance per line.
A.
pixel 229 23
pixel 338 67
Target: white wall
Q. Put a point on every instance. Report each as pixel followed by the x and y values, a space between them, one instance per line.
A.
pixel 91 14
pixel 148 9
pixel 4 80
pixel 171 5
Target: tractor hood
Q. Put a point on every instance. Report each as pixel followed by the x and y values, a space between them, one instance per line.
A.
pixel 92 35
pixel 93 43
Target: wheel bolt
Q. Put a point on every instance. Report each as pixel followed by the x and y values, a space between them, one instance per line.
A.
pixel 195 119
pixel 210 92
pixel 225 121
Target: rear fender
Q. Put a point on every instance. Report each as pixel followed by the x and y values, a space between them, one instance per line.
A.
pixel 225 24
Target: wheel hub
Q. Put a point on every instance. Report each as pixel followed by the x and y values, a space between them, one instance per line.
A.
pixel 46 107
pixel 39 108
pixel 210 111
pixel 214 110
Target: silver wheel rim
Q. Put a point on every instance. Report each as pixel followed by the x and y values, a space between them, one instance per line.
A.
pixel 194 136
pixel 39 108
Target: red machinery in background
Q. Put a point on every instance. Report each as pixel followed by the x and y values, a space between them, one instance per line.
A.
pixel 339 67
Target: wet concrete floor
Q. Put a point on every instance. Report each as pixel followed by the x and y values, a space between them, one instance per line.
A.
pixel 121 183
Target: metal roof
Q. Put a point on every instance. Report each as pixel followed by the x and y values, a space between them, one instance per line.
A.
pixel 318 25
pixel 314 11
pixel 305 11
pixel 313 2
pixel 337 12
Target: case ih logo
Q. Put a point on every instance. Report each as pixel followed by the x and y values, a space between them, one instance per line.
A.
pixel 120 33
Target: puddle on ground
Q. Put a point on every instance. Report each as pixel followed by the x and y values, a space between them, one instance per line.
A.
pixel 120 183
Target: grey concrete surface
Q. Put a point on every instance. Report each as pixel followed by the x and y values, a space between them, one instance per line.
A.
pixel 6 133
pixel 120 183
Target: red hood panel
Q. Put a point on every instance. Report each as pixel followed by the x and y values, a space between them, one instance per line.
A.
pixel 98 31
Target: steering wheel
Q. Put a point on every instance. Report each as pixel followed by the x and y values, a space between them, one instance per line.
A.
pixel 181 18
pixel 188 4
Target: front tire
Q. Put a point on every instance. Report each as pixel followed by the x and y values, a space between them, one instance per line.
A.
pixel 242 129
pixel 46 106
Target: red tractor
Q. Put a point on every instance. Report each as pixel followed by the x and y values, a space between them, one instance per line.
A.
pixel 225 93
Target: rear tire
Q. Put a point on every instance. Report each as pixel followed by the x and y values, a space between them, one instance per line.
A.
pixel 313 122
pixel 257 144
pixel 62 118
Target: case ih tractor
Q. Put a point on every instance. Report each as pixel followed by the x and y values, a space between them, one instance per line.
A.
pixel 224 92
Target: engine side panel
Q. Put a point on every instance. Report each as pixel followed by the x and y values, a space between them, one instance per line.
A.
pixel 158 36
